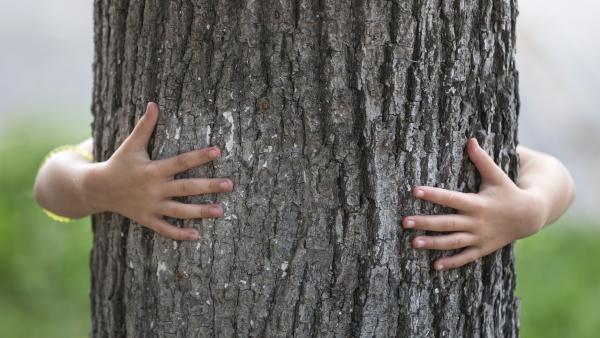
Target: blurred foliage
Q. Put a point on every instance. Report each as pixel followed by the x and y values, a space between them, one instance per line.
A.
pixel 44 274
pixel 558 281
pixel 45 278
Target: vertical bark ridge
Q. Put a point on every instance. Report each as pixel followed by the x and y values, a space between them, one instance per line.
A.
pixel 356 281
pixel 110 33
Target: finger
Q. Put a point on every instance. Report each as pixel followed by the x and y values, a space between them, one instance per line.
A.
pixel 196 186
pixel 484 163
pixel 447 223
pixel 455 240
pixel 166 229
pixel 185 161
pixel 465 256
pixel 453 199
pixel 176 209
pixel 139 137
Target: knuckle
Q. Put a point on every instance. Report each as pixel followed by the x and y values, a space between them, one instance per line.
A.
pixel 159 229
pixel 204 186
pixel 152 191
pixel 164 231
pixel 450 198
pixel 457 263
pixel 150 171
pixel 174 233
pixel 181 162
pixel 451 225
pixel 469 258
pixel 162 228
pixel 155 192
pixel 480 205
pixel 214 185
pixel 173 210
pixel 183 188
pixel 448 263
pixel 203 153
pixel 202 212
pixel 471 196
pixel 156 226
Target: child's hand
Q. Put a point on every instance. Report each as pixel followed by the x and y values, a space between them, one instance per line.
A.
pixel 136 187
pixel 500 213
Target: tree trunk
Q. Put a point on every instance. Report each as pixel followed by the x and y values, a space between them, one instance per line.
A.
pixel 327 113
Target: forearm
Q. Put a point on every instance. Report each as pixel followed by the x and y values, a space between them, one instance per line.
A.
pixel 58 184
pixel 547 178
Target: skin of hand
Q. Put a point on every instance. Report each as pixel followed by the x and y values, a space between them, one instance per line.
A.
pixel 133 185
pixel 500 213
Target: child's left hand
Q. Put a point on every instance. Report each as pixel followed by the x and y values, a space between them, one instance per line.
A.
pixel 500 213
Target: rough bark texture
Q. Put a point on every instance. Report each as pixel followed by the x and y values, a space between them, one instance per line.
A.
pixel 327 113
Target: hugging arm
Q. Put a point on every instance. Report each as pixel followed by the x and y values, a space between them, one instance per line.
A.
pixel 130 183
pixel 501 212
pixel 545 176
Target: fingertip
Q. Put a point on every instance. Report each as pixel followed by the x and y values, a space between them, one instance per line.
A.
pixel 473 146
pixel 151 111
pixel 226 184
pixel 408 222
pixel 216 211
pixel 214 152
pixel 418 242
pixel 192 234
pixel 438 265
pixel 476 153
pixel 418 191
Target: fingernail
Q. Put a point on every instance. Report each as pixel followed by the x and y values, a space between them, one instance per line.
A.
pixel 419 192
pixel 439 267
pixel 420 243
pixel 194 234
pixel 213 153
pixel 409 223
pixel 224 184
pixel 215 211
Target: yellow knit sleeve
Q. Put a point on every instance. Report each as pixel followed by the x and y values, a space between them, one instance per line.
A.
pixel 71 148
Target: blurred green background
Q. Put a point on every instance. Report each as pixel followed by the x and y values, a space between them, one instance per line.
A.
pixel 44 265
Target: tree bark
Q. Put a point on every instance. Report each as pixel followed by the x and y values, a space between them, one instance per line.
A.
pixel 327 113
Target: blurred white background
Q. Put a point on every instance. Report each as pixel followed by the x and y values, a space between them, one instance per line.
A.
pixel 47 53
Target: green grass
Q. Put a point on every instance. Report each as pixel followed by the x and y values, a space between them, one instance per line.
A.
pixel 558 281
pixel 45 278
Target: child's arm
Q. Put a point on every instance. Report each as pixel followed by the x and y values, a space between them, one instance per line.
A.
pixel 58 182
pixel 87 144
pixel 500 212
pixel 129 183
pixel 546 176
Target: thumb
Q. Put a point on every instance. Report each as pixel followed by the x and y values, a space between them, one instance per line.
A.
pixel 490 172
pixel 139 137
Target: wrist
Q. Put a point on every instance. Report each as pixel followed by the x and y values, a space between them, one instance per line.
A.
pixel 540 209
pixel 90 181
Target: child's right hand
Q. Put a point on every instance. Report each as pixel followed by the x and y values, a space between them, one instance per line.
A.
pixel 131 184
